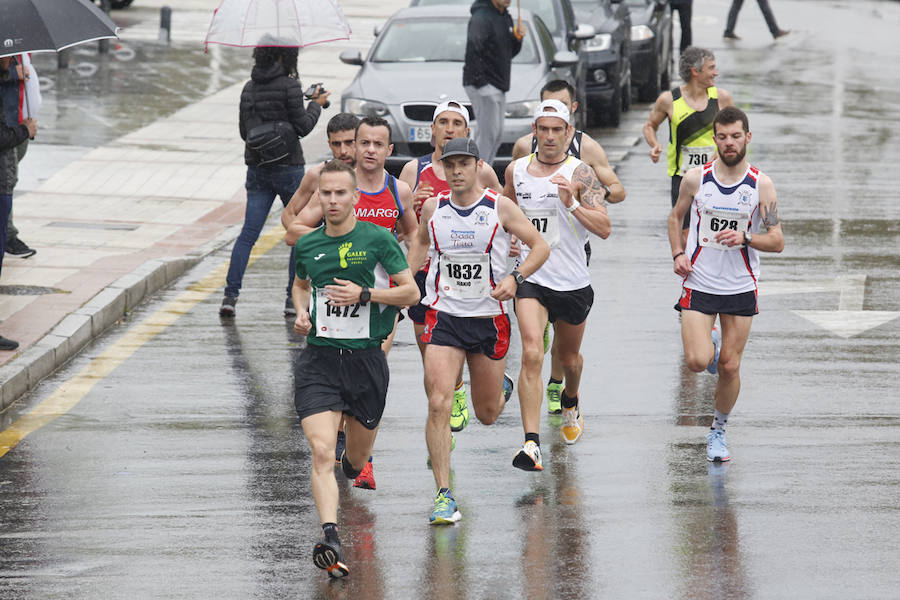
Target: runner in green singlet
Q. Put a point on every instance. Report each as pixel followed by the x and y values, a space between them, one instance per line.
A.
pixel 343 370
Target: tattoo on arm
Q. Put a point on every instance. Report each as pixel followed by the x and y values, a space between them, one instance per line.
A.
pixel 593 194
pixel 771 218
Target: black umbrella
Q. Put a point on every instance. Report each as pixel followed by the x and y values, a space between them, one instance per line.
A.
pixel 50 25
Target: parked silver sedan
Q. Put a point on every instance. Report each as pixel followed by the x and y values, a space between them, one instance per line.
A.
pixel 416 63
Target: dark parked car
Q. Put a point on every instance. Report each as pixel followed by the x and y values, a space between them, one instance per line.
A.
pixel 608 56
pixel 403 78
pixel 651 47
pixel 559 17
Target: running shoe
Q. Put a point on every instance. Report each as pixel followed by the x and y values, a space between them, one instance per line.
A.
pixel 452 447
pixel 554 391
pixel 366 478
pixel 289 310
pixel 717 344
pixel 507 387
pixel 717 446
pixel 459 412
pixel 529 457
pixel 573 425
pixel 327 555
pixel 340 446
pixel 444 512
pixel 547 337
pixel 227 308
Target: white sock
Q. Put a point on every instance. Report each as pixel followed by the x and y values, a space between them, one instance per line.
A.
pixel 719 420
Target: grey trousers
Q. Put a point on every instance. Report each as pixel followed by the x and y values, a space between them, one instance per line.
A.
pixel 12 232
pixel 763 6
pixel 489 105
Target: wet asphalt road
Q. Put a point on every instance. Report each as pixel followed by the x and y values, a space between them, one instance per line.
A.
pixel 183 472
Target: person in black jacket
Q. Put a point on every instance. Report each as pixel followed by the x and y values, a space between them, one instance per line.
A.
pixel 10 138
pixel 272 96
pixel 492 43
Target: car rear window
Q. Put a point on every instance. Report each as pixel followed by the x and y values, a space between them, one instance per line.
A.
pixel 405 41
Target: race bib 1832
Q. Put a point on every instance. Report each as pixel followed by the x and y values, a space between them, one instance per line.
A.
pixel 466 276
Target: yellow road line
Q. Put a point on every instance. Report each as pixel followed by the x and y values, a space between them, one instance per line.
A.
pixel 73 390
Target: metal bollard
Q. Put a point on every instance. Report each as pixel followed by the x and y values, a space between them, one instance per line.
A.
pixel 165 24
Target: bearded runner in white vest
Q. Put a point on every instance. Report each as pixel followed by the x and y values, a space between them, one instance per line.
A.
pixel 564 199
pixel 727 199
pixel 468 235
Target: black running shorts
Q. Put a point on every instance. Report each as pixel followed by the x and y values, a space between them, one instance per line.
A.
pixel 676 185
pixel 354 382
pixel 417 313
pixel 482 335
pixel 741 305
pixel 572 306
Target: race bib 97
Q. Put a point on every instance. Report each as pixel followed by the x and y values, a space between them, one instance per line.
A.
pixel 713 221
pixel 466 276
pixel 341 322
pixel 546 221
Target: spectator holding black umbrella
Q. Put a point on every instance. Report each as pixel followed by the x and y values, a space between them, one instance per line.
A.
pixel 272 119
pixel 10 138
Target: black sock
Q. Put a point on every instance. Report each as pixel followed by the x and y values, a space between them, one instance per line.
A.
pixel 568 402
pixel 348 469
pixel 533 437
pixel 554 381
pixel 341 435
pixel 446 492
pixel 331 532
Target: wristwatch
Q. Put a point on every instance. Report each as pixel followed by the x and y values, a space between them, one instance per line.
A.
pixel 364 296
pixel 520 279
pixel 748 237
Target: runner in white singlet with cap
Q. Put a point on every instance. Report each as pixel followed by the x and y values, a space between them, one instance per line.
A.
pixel 564 199
pixel 727 199
pixel 466 234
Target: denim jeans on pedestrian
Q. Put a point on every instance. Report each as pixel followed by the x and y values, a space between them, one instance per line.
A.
pixel 263 184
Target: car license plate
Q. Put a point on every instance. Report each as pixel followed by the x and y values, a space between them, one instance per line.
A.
pixel 420 134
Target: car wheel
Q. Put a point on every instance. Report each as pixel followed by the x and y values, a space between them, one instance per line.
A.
pixel 650 90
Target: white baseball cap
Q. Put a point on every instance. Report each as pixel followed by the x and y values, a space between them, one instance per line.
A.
pixel 552 108
pixel 451 106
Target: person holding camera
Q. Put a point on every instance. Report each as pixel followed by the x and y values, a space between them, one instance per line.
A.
pixel 272 121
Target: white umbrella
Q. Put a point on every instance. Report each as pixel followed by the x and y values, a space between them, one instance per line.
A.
pixel 293 23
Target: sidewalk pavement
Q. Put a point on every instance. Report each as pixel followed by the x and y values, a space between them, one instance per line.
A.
pixel 120 221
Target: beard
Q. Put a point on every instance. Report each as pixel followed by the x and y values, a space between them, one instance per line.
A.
pixel 736 159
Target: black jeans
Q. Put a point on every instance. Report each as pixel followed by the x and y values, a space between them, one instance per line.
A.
pixel 763 6
pixel 684 16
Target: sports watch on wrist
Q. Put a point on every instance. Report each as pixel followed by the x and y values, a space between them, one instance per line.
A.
pixel 748 237
pixel 364 296
pixel 520 279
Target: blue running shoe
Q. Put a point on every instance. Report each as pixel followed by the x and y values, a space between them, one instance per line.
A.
pixel 717 446
pixel 507 387
pixel 327 556
pixel 717 344
pixel 444 512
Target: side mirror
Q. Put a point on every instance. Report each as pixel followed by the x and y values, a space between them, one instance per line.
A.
pixel 376 31
pixel 351 57
pixel 583 32
pixel 564 58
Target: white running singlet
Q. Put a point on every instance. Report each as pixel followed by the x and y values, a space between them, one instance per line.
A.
pixel 718 269
pixel 468 253
pixel 566 268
